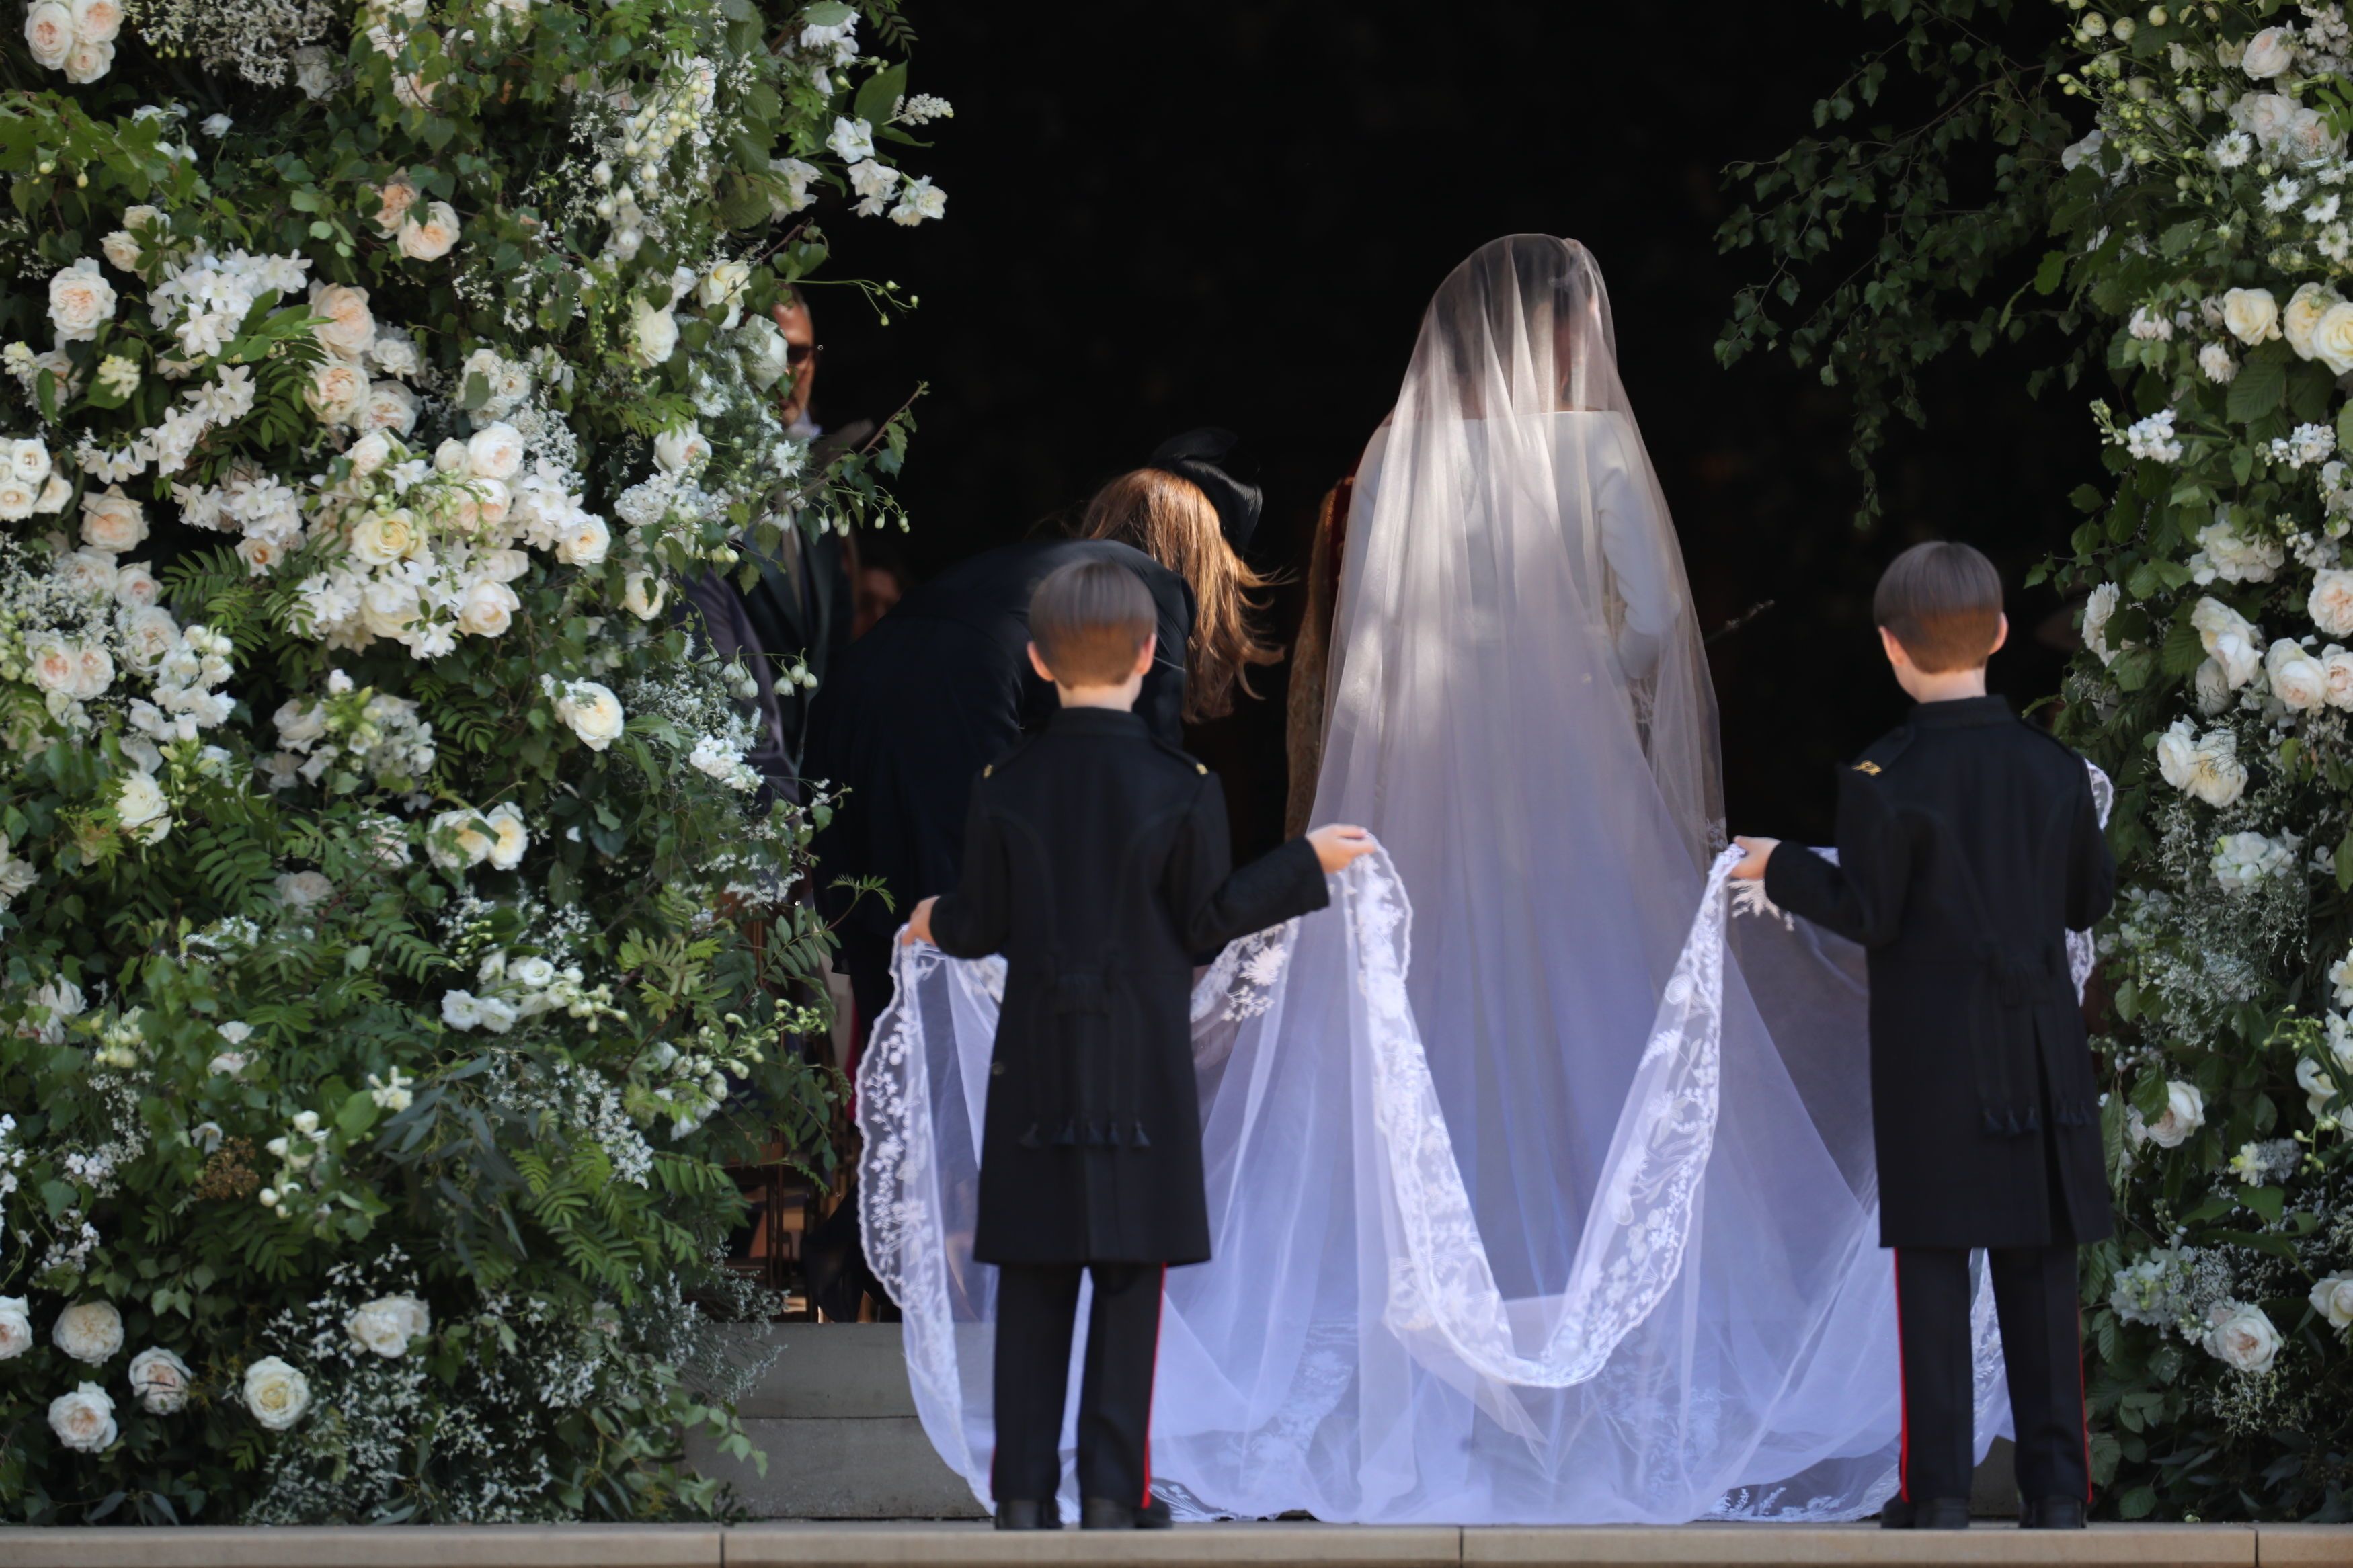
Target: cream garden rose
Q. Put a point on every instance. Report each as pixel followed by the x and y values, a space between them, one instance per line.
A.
pixel 112 520
pixel 508 836
pixel 431 236
pixel 2302 318
pixel 2242 1337
pixel 2332 339
pixel 160 1378
pixel 2296 678
pixel 50 34
pixel 81 301
pixel 275 1393
pixel 2330 604
pixel 349 326
pixel 2250 315
pixel 653 334
pixel 2270 53
pixel 144 814
pixel 2185 1113
pixel 16 1327
pixel 495 452
pixel 389 1324
pixel 394 198
pixel 488 608
pixel 2333 1300
pixel 592 711
pixel 337 392
pixel 84 1419
pixel 89 1331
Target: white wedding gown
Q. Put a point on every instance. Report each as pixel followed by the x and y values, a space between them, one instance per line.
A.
pixel 1545 1195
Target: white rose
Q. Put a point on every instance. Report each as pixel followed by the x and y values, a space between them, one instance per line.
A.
pixel 723 286
pixel 2306 307
pixel 29 460
pixel 149 635
pixel 300 890
pixel 93 669
pixel 653 334
pixel 348 328
pixel 495 452
pixel 642 594
pixel 764 352
pixel 2333 1300
pixel 2242 1337
pixel 2097 610
pixel 337 392
pixel 276 1394
pixel 431 238
pixel 19 499
pixel 15 1328
pixel 160 1379
pixel 389 406
pixel 2213 693
pixel 88 1331
pixel 55 666
pixel 388 607
pixel 2250 315
pixel 2330 604
pixel 87 61
pixel 2336 664
pixel 49 33
pixel 371 451
pixel 488 608
pixel 2229 640
pixel 676 451
pixel 2332 339
pixel 2296 678
pixel 455 843
pixel 381 538
pixel 2269 53
pixel 300 725
pixel 394 352
pixel 144 814
pixel 90 573
pixel 387 1324
pixel 593 711
pixel 84 1419
pixel 135 587
pixel 2185 1113
pixel 112 521
pixel 393 199
pixel 584 541
pixel 81 301
pixel 97 21
pixel 508 836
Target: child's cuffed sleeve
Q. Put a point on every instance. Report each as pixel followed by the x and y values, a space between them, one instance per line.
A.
pixel 1217 903
pixel 972 920
pixel 1862 896
pixel 2091 868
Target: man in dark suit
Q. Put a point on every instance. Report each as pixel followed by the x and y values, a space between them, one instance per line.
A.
pixel 1969 844
pixel 1096 860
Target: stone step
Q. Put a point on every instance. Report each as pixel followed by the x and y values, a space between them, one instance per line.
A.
pixel 836 1545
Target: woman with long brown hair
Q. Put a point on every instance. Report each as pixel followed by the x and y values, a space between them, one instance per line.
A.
pixel 942 686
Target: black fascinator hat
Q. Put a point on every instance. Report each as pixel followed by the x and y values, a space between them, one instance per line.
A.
pixel 1210 458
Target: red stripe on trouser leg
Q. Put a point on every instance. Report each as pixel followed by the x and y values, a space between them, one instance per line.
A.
pixel 1902 1392
pixel 1159 1303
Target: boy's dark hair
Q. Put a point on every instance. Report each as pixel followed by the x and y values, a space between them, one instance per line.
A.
pixel 1942 601
pixel 1090 620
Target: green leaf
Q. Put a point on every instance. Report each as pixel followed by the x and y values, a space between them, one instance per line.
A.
pixel 2053 270
pixel 880 93
pixel 2257 389
pixel 2267 1201
pixel 2088 501
pixel 827 13
pixel 358 1114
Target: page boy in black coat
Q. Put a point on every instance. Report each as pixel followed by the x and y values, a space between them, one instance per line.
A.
pixel 1969 847
pixel 1097 861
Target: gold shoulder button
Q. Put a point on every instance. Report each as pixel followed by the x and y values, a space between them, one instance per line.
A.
pixel 1870 768
pixel 1200 767
pixel 991 768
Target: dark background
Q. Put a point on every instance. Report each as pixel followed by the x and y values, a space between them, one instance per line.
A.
pixel 1163 216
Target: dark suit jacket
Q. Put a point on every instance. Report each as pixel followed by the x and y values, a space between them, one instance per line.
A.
pixel 939 688
pixel 799 609
pixel 1097 861
pixel 1968 844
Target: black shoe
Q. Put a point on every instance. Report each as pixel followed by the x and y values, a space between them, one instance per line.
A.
pixel 1101 1513
pixel 2052 1513
pixel 1155 1515
pixel 1015 1514
pixel 1937 1513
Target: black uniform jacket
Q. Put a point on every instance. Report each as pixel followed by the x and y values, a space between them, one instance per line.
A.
pixel 1097 861
pixel 940 688
pixel 1968 844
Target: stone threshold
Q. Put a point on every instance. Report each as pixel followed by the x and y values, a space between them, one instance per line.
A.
pixel 788 1544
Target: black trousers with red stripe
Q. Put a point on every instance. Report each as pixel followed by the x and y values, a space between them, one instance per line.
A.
pixel 2041 1343
pixel 1037 1304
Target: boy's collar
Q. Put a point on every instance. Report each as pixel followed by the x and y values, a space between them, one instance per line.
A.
pixel 1961 711
pixel 1095 722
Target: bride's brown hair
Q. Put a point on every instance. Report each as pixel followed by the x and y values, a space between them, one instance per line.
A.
pixel 1169 518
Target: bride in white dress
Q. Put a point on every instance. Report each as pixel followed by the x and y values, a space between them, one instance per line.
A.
pixel 1548 1198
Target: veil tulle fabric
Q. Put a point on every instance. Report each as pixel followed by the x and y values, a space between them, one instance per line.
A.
pixel 1546 1195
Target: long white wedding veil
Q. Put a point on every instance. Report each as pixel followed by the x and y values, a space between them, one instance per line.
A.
pixel 1540 1184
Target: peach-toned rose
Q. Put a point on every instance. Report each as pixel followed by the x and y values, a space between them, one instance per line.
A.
pixel 393 199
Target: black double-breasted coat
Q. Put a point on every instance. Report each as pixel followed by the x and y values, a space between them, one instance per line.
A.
pixel 1968 846
pixel 940 688
pixel 1097 861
